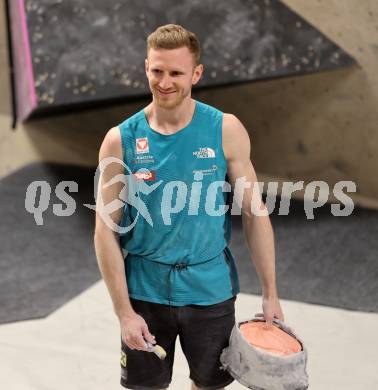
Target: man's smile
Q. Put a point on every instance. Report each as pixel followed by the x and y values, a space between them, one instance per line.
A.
pixel 164 92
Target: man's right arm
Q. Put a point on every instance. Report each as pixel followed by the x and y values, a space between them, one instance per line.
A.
pixel 108 251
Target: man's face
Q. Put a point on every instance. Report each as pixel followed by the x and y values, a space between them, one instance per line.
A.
pixel 171 74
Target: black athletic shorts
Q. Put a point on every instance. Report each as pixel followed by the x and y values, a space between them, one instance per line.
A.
pixel 203 332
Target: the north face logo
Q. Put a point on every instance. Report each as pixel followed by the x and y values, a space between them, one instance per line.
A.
pixel 204 153
pixel 142 145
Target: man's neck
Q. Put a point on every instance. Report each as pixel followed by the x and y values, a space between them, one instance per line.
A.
pixel 169 121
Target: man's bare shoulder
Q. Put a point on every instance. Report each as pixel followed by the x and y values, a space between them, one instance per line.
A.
pixel 230 120
pixel 235 136
pixel 111 145
pixel 233 125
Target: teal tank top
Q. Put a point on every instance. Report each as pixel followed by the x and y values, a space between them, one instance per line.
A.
pixel 177 250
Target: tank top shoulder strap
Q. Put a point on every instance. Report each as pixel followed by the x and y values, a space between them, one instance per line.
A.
pixel 130 129
pixel 212 118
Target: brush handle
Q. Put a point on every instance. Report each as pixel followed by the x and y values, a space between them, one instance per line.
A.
pixel 157 350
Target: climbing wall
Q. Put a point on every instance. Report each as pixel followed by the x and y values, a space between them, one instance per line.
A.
pixel 74 53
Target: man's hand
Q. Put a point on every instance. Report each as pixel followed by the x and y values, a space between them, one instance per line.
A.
pixel 272 308
pixel 134 330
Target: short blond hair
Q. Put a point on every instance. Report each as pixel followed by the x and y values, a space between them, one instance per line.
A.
pixel 174 36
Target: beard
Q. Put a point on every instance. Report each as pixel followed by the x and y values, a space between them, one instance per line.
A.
pixel 171 101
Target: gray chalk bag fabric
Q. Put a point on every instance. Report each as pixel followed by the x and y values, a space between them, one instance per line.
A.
pixel 260 370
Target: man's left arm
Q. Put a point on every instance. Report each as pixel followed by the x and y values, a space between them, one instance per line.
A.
pixel 257 229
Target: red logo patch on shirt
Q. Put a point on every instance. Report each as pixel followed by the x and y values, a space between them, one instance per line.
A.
pixel 142 145
pixel 145 175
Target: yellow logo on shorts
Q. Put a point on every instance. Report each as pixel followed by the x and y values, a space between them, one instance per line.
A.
pixel 123 359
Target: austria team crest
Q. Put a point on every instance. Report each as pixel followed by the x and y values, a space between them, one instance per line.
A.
pixel 142 145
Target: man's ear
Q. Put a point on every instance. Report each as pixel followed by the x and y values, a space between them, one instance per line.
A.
pixel 198 70
pixel 146 65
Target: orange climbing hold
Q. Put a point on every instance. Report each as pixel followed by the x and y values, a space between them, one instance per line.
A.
pixel 270 338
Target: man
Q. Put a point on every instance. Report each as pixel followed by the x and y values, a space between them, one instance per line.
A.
pixel 180 274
